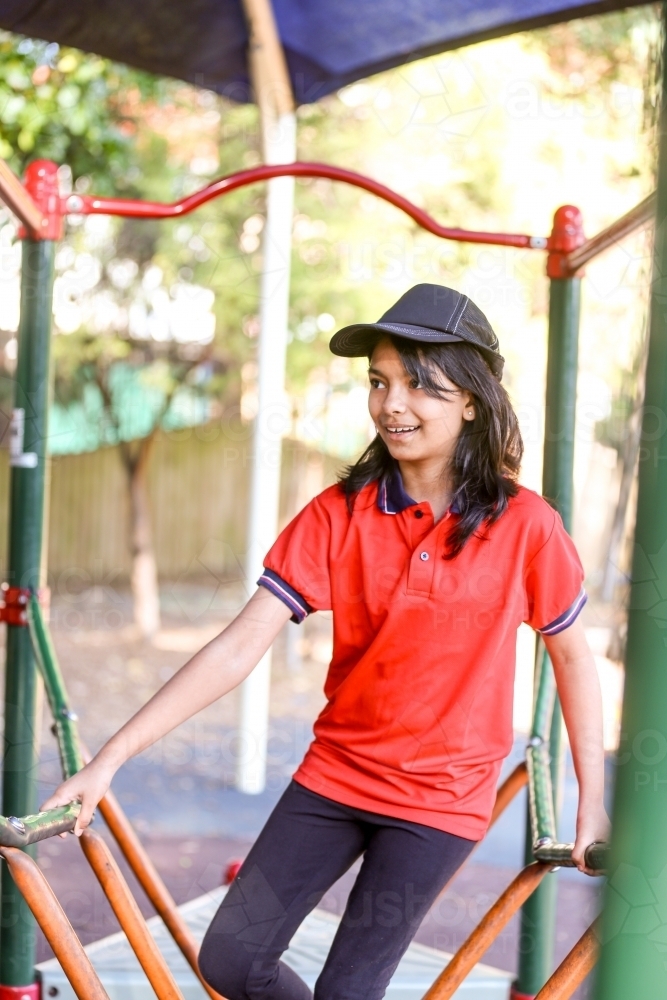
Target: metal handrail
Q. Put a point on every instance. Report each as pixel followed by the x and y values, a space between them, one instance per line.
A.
pixel 73 755
pixel 57 929
pixel 540 787
pixel 574 968
pixel 486 931
pixel 21 831
pixel 150 881
pixel 129 916
pixel 78 204
pixel 64 718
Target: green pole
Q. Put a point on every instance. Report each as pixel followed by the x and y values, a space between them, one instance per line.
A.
pixel 538 916
pixel 634 924
pixel 26 514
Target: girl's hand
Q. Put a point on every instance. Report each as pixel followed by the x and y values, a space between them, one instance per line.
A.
pixel 88 786
pixel 592 826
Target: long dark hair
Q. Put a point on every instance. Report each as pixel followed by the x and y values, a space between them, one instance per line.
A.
pixel 488 452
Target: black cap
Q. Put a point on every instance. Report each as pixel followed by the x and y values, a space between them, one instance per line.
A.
pixel 431 314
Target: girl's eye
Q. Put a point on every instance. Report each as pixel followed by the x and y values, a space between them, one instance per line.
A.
pixel 415 384
pixel 375 383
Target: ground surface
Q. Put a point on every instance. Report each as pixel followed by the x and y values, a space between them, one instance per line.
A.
pixel 181 796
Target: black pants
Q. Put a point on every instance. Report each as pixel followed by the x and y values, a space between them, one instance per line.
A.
pixel 307 844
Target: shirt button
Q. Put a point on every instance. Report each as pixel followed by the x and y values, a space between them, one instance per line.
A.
pixel 419 513
pixel 423 556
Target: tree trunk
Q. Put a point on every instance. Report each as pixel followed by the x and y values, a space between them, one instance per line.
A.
pixel 144 568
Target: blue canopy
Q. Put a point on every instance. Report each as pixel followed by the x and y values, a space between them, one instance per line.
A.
pixel 327 44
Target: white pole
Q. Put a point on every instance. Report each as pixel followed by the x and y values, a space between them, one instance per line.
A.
pixel 278 123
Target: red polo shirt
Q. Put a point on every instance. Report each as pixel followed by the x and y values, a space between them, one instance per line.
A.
pixel 420 687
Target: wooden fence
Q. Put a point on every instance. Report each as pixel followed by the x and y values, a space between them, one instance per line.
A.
pixel 199 488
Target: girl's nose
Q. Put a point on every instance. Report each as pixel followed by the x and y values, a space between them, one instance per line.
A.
pixel 394 401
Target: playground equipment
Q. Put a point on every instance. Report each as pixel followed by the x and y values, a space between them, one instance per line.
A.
pixel 41 210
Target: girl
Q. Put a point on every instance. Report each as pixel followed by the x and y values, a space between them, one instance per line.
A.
pixel 430 555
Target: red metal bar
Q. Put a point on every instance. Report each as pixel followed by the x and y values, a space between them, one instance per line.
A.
pixel 41 183
pixel 94 205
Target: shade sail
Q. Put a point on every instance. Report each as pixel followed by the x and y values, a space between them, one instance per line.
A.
pixel 327 44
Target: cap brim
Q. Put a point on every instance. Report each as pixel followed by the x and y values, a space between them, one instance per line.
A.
pixel 357 341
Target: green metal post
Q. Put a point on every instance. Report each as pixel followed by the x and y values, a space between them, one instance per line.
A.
pixel 634 924
pixel 28 456
pixel 538 916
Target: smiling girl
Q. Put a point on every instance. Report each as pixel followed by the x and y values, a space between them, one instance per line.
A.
pixel 430 556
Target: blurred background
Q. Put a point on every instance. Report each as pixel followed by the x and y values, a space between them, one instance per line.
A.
pixel 155 334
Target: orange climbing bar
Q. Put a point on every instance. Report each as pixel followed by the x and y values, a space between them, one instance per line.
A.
pixel 129 916
pixel 637 217
pixel 57 929
pixel 19 200
pixel 487 930
pixel 573 969
pixel 510 788
pixel 150 881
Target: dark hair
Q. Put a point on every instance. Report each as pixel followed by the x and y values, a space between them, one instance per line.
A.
pixel 488 453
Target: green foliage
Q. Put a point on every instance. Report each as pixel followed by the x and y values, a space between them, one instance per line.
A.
pixel 592 53
pixel 60 104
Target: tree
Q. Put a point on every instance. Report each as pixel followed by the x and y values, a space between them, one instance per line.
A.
pixel 127 393
pixel 102 122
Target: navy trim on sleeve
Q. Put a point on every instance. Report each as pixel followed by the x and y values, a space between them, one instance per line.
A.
pixel 567 617
pixel 299 607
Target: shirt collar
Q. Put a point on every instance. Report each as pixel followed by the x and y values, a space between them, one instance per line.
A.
pixel 392 496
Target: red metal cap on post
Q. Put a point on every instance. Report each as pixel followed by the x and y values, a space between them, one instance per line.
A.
pixel 567 234
pixel 14 610
pixel 231 871
pixel 30 992
pixel 41 183
pixel 514 994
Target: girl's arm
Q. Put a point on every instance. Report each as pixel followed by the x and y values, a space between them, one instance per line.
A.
pixel 212 672
pixel 581 699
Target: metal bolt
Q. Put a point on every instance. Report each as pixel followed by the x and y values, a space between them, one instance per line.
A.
pixel 17 823
pixel 535 741
pixel 67 713
pixel 74 203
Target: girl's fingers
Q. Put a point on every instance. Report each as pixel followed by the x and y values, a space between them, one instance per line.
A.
pixel 84 817
pixel 58 800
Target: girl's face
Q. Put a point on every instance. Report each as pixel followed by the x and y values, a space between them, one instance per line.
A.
pixel 414 426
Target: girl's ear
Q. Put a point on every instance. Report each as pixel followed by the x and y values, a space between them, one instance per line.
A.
pixel 469 409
